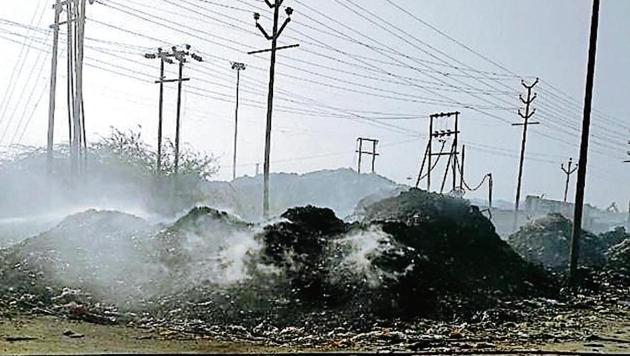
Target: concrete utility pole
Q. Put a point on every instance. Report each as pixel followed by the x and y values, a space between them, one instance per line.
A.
pixel 52 101
pixel 568 171
pixel 586 127
pixel 164 58
pixel 529 112
pixel 238 67
pixel 372 153
pixel 75 23
pixel 167 57
pixel 78 121
pixel 70 65
pixel 461 168
pixel 275 34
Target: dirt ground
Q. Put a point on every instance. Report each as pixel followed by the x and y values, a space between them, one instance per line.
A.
pixel 45 335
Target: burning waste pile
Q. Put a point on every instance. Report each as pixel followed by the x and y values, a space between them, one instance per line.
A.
pixel 415 256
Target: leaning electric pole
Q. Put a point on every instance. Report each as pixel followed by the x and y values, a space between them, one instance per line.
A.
pixel 275 34
pixel 529 112
pixel 568 171
pixel 586 126
pixel 238 67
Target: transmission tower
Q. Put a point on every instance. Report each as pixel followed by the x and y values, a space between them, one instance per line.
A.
pixel 181 56
pixel 442 136
pixel 275 34
pixel 529 112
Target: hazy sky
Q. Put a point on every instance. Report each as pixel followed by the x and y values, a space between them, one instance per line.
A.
pixel 354 75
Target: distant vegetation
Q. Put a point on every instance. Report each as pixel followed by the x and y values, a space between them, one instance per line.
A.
pixel 121 170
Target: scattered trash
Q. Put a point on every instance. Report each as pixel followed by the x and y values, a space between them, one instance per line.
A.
pixel 416 271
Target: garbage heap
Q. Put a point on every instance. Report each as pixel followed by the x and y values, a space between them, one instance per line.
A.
pixel 415 255
pixel 546 241
pixel 604 262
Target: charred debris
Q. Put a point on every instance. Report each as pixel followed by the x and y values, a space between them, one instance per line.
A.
pixel 415 257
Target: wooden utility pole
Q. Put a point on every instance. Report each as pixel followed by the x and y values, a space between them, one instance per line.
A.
pixel 275 34
pixel 238 67
pixel 586 126
pixel 529 112
pixel 52 101
pixel 372 153
pixel 568 171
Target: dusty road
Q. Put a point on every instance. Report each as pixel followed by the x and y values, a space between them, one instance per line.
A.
pixel 45 335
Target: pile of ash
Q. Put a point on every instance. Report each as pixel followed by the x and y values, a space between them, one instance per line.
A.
pixel 415 255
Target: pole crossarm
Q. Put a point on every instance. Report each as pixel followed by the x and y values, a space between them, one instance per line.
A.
pixel 172 80
pixel 269 49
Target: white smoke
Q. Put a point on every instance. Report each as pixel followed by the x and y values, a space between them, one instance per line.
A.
pixel 361 248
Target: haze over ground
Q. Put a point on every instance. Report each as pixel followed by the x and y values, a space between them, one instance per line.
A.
pixel 533 39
